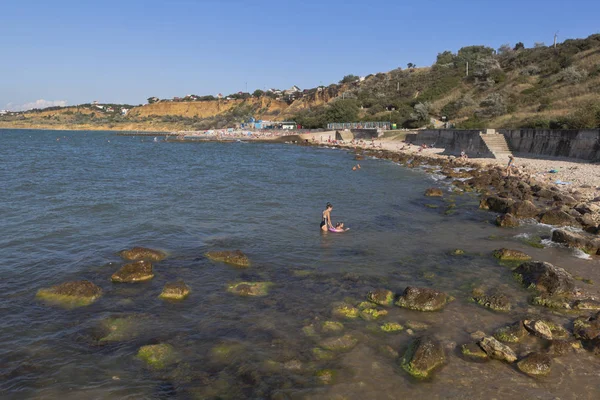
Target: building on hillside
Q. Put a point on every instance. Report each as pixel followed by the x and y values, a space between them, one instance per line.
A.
pixel 3 112
pixel 293 90
pixel 153 100
pixel 289 125
pixel 276 92
pixel 95 102
pixel 124 111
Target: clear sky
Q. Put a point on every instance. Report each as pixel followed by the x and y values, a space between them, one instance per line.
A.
pixel 126 51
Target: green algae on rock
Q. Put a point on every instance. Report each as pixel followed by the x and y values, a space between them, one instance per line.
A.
pixel 322 355
pixel 175 291
pixel 587 328
pixel 423 356
pixel 512 333
pixel 363 305
pixel 383 297
pixel 345 311
pixel 253 289
pixel 157 356
pixel 71 294
pixel 497 350
pixel 496 301
pixel 391 327
pixel 332 326
pixel 138 271
pixel 370 314
pixel 325 376
pixel 473 352
pixel 510 255
pixel 535 364
pixel 236 258
pixel 225 352
pixel 340 343
pixel 457 252
pixel 143 253
pixel 120 328
pixel 434 192
pixel 422 299
pixel 546 278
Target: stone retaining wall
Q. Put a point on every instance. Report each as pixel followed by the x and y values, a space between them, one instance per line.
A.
pixel 582 144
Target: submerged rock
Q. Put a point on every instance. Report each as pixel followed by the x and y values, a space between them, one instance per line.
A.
pixel 236 258
pixel 175 291
pixel 535 364
pixel 345 311
pixel 507 221
pixel 121 327
pixel 423 356
pixel 391 327
pixel 496 301
pixel 325 376
pixel 382 297
pixel 497 350
pixel 341 343
pixel 586 304
pixel 143 253
pixel 546 278
pixel 157 356
pixel 473 352
pixel 512 333
pixel 588 243
pixel 434 192
pixel 332 326
pixel 370 314
pixel 253 289
pixel 138 271
pixel 510 255
pixel 71 294
pixel 422 299
pixel 556 302
pixel 587 328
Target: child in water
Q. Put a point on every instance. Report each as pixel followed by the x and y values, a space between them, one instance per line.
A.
pixel 339 227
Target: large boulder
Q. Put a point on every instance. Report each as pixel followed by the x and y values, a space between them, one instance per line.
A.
pixel 588 243
pixel 546 278
pixel 524 209
pixel 511 255
pixel 71 294
pixel 382 297
pixel 496 203
pixel 434 192
pixel 423 356
pixel 422 299
pixel 236 258
pixel 559 218
pixel 138 271
pixel 143 253
pixel 535 364
pixel 175 291
pixel 507 221
pixel 497 350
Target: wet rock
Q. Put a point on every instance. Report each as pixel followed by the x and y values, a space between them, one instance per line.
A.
pixel 496 301
pixel 236 258
pixel 473 352
pixel 423 356
pixel 523 209
pixel 559 348
pixel 143 253
pixel 343 310
pixel 507 221
pixel 495 203
pixel 226 352
pixel 121 327
pixel 497 350
pixel 555 302
pixel 325 376
pixel 511 255
pixel 332 326
pixel 512 333
pixel 157 356
pixel 422 299
pixel 588 243
pixel 535 364
pixel 363 305
pixel 434 192
pixel 417 325
pixel 538 328
pixel 382 297
pixel 322 355
pixel 341 343
pixel 558 218
pixel 370 314
pixel 546 278
pixel 457 252
pixel 138 271
pixel 586 304
pixel 175 291
pixel 253 289
pixel 391 327
pixel 71 294
pixel 587 328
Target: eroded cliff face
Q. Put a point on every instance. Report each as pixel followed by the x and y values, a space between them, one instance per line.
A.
pixel 313 98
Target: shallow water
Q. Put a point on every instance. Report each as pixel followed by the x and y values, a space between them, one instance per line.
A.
pixel 69 205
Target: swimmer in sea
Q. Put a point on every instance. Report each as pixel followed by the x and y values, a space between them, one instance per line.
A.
pixel 339 227
pixel 326 218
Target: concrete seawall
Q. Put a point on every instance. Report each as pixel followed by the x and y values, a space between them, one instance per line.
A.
pixel 453 141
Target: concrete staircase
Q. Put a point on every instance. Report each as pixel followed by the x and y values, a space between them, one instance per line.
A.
pixel 497 145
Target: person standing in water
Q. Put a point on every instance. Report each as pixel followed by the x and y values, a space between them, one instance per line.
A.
pixel 326 218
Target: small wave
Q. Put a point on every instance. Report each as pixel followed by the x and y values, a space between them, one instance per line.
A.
pixel 549 243
pixel 523 236
pixel 581 254
pixel 438 177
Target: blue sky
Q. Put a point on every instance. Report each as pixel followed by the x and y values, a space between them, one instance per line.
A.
pixel 126 51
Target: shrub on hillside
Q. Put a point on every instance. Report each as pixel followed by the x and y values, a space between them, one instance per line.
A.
pixel 492 106
pixel 530 70
pixel 572 74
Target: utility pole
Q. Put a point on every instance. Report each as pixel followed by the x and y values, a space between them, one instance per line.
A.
pixel 467 68
pixel 555 36
pixel 398 88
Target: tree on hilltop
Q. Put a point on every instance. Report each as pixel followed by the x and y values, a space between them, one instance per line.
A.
pixel 411 65
pixel 519 46
pixel 349 78
pixel 258 93
pixel 504 49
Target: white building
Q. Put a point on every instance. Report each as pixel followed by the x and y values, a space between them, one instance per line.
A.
pixel 3 112
pixel 124 111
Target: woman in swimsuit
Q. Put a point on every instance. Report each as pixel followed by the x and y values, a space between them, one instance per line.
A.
pixel 326 218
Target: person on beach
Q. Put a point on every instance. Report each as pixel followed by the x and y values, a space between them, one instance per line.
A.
pixel 326 218
pixel 510 165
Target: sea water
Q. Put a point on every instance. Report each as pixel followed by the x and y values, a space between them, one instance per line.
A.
pixel 69 201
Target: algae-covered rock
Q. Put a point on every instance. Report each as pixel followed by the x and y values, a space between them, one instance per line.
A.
pixel 340 343
pixel 586 304
pixel 422 299
pixel 539 328
pixel 322 355
pixel 559 218
pixel 524 209
pixel 391 327
pixel 512 333
pixel 252 289
pixel 138 271
pixel 71 294
pixel 345 311
pixel 423 356
pixel 473 352
pixel 587 328
pixel 495 203
pixel 457 252
pixel 555 302
pixel 143 253
pixel 495 301
pixel 175 291
pixel 511 255
pixel 157 356
pixel 225 352
pixel 497 350
pixel 325 376
pixel 546 278
pixel 507 221
pixel 535 364
pixel 417 325
pixel 365 304
pixel 121 327
pixel 588 243
pixel 559 348
pixel 332 326
pixel 383 297
pixel 370 314
pixel 434 192
pixel 236 258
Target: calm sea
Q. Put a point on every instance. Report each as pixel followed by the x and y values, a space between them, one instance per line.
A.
pixel 69 201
